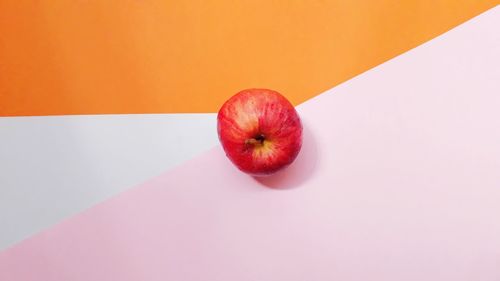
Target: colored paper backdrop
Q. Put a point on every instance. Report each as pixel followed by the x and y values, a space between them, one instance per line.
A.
pixel 111 170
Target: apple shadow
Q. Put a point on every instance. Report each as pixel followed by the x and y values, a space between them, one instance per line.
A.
pixel 300 170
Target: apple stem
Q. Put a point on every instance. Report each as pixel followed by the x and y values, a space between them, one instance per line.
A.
pixel 259 139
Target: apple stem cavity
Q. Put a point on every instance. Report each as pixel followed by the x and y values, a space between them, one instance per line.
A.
pixel 257 140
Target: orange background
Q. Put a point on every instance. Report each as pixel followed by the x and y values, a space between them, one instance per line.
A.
pixel 91 57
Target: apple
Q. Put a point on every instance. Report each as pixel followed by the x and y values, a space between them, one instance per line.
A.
pixel 260 131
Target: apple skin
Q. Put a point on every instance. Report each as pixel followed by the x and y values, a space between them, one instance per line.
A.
pixel 260 131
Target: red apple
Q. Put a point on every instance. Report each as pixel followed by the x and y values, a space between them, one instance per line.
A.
pixel 260 131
